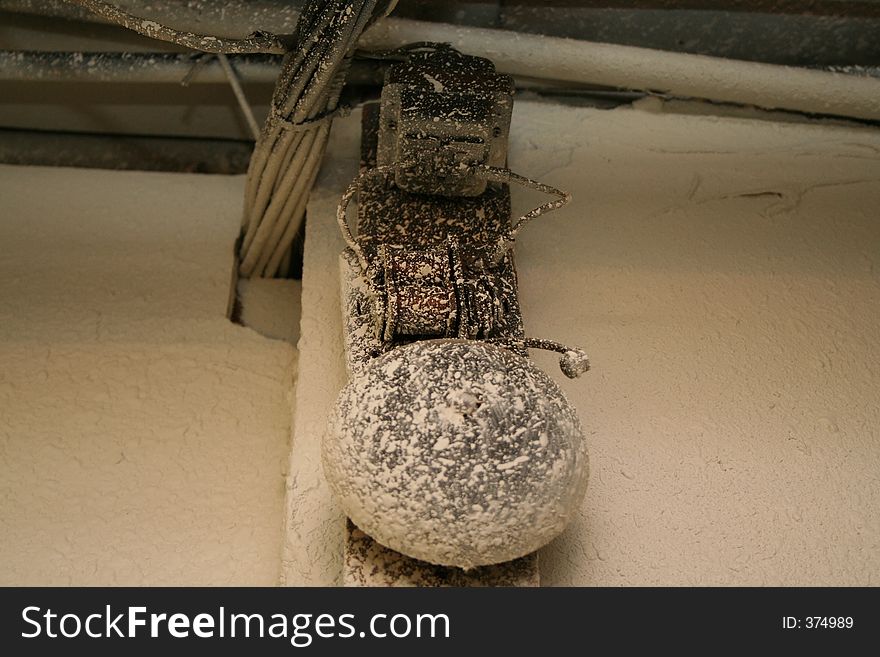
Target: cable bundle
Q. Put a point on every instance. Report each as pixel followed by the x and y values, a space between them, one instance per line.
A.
pixel 290 146
pixel 288 154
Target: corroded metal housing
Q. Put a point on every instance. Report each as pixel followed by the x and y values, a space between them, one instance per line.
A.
pixel 458 292
pixel 442 114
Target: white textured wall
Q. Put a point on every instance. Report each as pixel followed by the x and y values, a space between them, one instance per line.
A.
pixel 143 437
pixel 723 274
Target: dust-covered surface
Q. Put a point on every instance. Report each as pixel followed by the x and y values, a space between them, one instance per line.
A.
pixel 314 524
pixel 723 275
pixel 366 563
pixel 143 436
pixel 270 306
pixel 456 452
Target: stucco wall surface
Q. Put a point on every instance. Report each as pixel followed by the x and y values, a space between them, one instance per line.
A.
pixel 722 272
pixel 724 275
pixel 143 437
